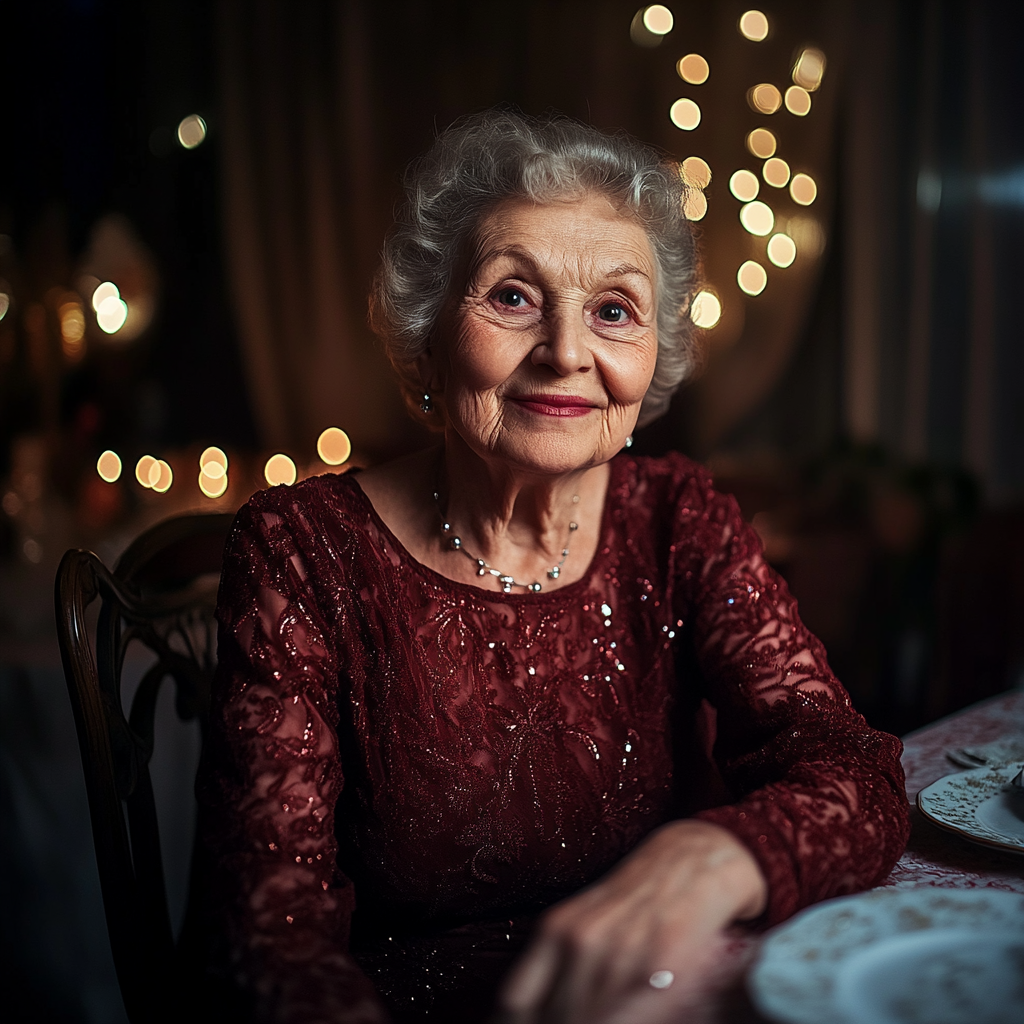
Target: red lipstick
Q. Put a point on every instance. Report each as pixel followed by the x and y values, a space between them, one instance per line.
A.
pixel 556 405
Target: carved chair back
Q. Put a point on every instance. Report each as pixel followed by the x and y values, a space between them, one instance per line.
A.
pixel 161 594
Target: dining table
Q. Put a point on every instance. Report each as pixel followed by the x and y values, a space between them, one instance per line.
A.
pixel 933 857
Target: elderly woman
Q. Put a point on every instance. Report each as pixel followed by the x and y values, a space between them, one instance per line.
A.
pixel 461 750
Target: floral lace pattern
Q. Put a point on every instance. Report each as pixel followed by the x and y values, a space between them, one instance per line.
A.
pixel 402 769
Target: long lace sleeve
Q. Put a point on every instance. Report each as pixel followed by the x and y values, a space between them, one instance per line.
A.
pixel 269 786
pixel 821 797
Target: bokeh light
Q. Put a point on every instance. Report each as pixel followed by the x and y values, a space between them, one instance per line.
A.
pixel 744 185
pixel 213 486
pixel 191 131
pixel 685 114
pixel 108 465
pixel 72 328
pixel 775 172
pixel 111 314
pixel 693 68
pixel 757 218
pixel 279 470
pixel 213 456
pixel 143 468
pixel 751 277
pixel 798 101
pixel 764 98
pixel 333 446
pixel 695 205
pixel 104 290
pixel 803 189
pixel 5 304
pixel 696 172
pixel 164 477
pixel 781 250
pixel 706 309
pixel 761 143
pixel 809 69
pixel 658 19
pixel 754 26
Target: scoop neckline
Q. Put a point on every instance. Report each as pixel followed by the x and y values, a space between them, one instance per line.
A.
pixel 614 465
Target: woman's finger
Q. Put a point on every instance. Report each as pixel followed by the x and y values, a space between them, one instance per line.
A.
pixel 531 979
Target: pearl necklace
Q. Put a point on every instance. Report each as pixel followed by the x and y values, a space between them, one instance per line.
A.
pixel 484 569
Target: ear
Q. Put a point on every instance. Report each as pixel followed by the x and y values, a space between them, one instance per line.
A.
pixel 430 378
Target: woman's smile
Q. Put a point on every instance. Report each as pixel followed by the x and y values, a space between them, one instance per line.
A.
pixel 555 405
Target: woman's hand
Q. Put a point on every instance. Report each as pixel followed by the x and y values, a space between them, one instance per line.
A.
pixel 660 910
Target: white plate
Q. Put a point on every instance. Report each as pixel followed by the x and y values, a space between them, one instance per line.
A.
pixel 979 805
pixel 897 956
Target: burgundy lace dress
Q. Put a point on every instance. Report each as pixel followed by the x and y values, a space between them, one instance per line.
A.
pixel 402 770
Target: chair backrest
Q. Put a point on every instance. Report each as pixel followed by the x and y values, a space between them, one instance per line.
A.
pixel 162 594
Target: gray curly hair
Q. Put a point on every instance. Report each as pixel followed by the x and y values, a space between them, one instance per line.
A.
pixel 484 159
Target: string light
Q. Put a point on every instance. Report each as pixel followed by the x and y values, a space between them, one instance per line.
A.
pixel 333 446
pixel 658 19
pixel 775 172
pixel 111 314
pixel 693 68
pixel 280 470
pixel 108 465
pixel 744 185
pixel 191 131
pixel 757 218
pixel 798 101
pixel 754 26
pixel 764 98
pixel 696 172
pixel 781 250
pixel 706 309
pixel 751 277
pixel 685 114
pixel 213 472
pixel 104 290
pixel 803 189
pixel 761 143
pixel 809 69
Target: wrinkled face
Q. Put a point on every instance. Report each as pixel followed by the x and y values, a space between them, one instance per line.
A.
pixel 544 361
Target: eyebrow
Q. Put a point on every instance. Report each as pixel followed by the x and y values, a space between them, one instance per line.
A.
pixel 517 253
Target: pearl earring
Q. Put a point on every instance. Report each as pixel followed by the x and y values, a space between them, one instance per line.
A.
pixel 629 441
pixel 427 404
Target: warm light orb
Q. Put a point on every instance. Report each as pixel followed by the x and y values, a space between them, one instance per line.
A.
pixel 798 101
pixel 751 277
pixel 693 68
pixel 213 486
pixel 191 131
pixel 333 446
pixel 164 477
pixel 781 250
pixel 685 114
pixel 106 290
pixel 213 470
pixel 143 468
pixel 744 185
pixel 111 314
pixel 108 465
pixel 695 205
pixel 803 189
pixel 764 98
pixel 658 19
pixel 775 172
pixel 706 309
pixel 754 26
pixel 809 69
pixel 761 143
pixel 757 218
pixel 280 470
pixel 213 456
pixel 5 304
pixel 696 172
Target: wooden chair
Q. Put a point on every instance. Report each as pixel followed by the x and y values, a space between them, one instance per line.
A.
pixel 162 594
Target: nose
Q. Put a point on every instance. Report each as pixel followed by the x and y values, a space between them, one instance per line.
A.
pixel 565 345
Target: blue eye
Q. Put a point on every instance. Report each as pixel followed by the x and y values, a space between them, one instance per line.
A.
pixel 613 313
pixel 511 297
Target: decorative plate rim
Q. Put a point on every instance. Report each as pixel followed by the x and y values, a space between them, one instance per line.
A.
pixel 998 777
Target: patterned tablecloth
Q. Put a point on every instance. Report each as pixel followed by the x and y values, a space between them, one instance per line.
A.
pixel 932 857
